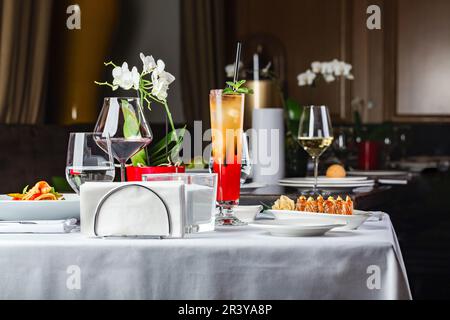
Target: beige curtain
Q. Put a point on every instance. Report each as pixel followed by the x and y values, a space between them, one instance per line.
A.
pixel 202 55
pixel 24 36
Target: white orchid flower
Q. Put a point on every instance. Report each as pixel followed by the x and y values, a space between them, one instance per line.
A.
pixel 160 66
pixel 316 67
pixel 136 78
pixel 160 89
pixel 338 67
pixel 301 80
pixel 330 71
pixel 124 78
pixel 310 77
pixel 161 80
pixel 148 62
pixel 168 77
pixel 329 77
pixel 306 78
pixel 160 75
pixel 347 68
pixel 327 68
pixel 161 85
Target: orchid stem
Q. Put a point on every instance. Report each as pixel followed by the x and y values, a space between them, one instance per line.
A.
pixel 110 63
pixel 104 84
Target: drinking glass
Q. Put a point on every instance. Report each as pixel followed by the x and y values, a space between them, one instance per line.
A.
pixel 200 196
pixel 246 166
pixel 246 163
pixel 227 117
pixel 122 119
pixel 87 161
pixel 315 135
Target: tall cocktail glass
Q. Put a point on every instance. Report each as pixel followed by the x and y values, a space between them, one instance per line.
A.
pixel 227 118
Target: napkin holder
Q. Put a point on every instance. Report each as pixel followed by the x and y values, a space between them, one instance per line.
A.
pixel 144 210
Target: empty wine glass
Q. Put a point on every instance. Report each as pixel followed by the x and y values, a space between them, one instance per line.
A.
pixel 315 135
pixel 122 119
pixel 87 161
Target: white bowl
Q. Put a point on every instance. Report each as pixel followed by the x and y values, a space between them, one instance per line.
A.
pixel 247 213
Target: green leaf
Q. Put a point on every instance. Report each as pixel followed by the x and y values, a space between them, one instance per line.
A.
pixel 161 145
pixel 131 122
pixel 293 114
pixel 139 159
pixel 61 184
pixel 236 88
pixel 53 191
pixel 228 91
pixel 160 153
pixel 157 160
pixel 240 83
pixel 265 206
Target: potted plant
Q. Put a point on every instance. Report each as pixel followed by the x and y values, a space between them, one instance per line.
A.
pixel 151 86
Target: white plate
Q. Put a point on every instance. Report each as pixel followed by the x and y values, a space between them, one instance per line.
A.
pixel 40 210
pixel 295 228
pixel 352 222
pixel 324 182
pixel 369 183
pixel 253 185
pixel 325 179
pixel 377 173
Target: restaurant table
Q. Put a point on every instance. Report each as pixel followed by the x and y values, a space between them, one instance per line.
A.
pixel 233 263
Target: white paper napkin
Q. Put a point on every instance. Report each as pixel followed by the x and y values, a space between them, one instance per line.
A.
pixel 41 226
pixel 135 211
pixel 200 204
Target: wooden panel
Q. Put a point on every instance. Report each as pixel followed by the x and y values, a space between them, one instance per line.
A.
pixel 423 63
pixel 368 60
pixel 310 30
pixel 77 58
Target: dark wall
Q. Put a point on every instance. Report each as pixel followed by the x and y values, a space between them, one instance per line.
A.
pixel 33 153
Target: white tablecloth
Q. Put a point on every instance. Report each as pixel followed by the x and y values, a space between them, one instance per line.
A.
pixel 241 263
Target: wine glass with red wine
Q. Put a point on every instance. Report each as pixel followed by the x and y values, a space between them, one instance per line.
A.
pixel 122 121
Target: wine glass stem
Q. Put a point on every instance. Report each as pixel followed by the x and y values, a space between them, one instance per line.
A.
pixel 123 171
pixel 316 172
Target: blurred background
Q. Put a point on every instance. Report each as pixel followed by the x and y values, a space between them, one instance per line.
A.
pixel 399 100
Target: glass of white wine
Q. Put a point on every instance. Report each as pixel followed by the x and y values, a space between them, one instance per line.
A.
pixel 315 135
